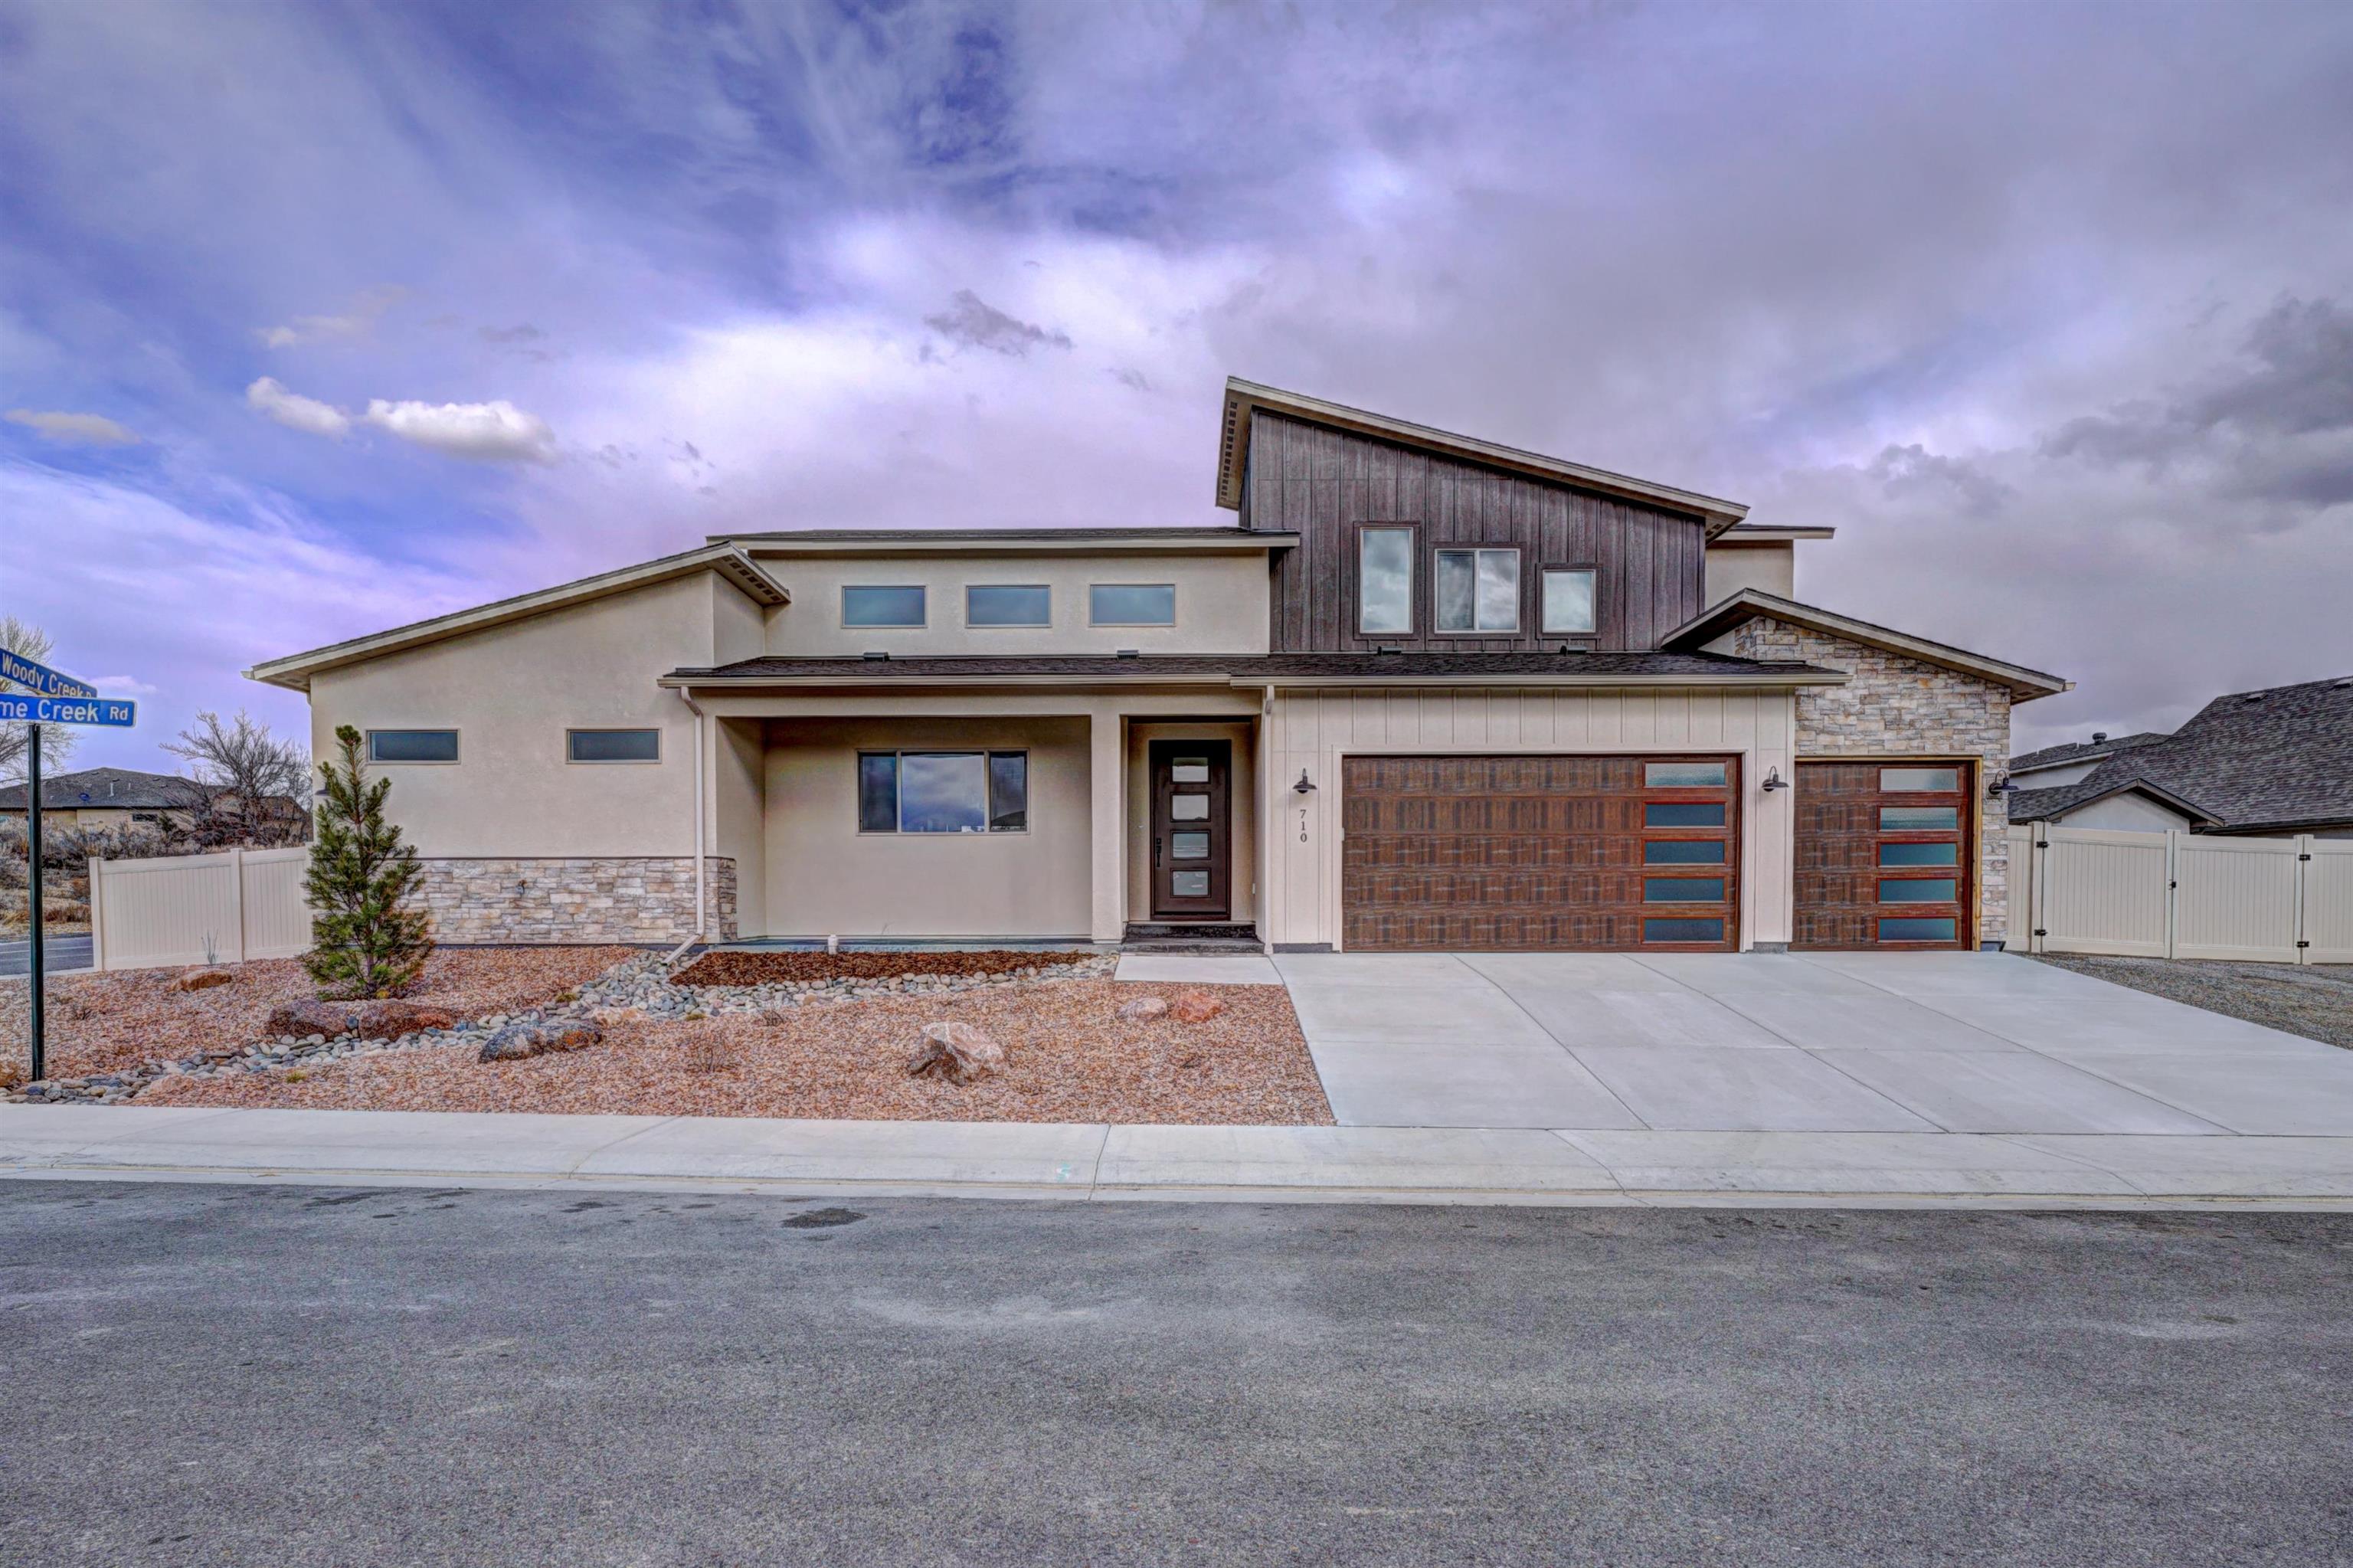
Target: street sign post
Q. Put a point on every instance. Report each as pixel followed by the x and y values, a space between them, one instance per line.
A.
pixel 56 699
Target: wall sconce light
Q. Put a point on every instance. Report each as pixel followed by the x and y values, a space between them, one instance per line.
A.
pixel 2000 786
pixel 1773 780
pixel 1304 787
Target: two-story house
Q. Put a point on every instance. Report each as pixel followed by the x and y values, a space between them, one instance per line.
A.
pixel 1427 692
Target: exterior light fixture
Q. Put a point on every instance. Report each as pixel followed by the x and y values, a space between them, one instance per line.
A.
pixel 1304 787
pixel 2000 786
pixel 1773 780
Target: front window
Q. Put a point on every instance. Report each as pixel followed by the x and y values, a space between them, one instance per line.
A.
pixel 995 604
pixel 1131 604
pixel 943 791
pixel 1478 591
pixel 1385 580
pixel 1568 600
pixel 873 606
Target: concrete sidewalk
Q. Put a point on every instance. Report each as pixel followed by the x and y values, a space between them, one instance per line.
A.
pixel 1014 1159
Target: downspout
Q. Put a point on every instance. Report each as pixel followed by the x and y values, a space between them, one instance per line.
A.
pixel 687 697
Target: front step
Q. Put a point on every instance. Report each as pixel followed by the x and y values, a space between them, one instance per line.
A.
pixel 1204 938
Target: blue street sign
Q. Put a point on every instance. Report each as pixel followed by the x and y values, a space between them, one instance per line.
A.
pixel 115 713
pixel 41 680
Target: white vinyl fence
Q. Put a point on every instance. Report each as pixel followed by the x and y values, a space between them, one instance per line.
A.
pixel 2182 896
pixel 191 909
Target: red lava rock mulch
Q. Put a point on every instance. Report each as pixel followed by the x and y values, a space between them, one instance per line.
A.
pixel 783 968
pixel 98 1023
pixel 1069 1059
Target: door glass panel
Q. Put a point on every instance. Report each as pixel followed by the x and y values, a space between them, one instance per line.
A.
pixel 1683 814
pixel 1656 930
pixel 1920 854
pixel 1189 770
pixel 1940 781
pixel 1189 883
pixel 1920 890
pixel 1682 890
pixel 1189 808
pixel 1683 775
pixel 1899 817
pixel 1913 929
pixel 1188 846
pixel 1683 852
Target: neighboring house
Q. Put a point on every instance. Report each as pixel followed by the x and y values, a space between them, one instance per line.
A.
pixel 2277 761
pixel 1427 692
pixel 102 797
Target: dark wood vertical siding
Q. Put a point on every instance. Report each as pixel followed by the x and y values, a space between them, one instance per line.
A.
pixel 1320 483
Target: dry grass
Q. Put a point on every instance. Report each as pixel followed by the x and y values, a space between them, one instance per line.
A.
pixel 1071 1060
pixel 102 1022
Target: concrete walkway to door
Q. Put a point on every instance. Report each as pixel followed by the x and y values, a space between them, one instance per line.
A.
pixel 1818 1043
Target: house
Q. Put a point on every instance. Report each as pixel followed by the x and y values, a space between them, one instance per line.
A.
pixel 1424 692
pixel 2276 761
pixel 99 797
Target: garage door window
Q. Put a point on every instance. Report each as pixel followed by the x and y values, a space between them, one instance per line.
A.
pixel 1683 814
pixel 1919 781
pixel 1683 775
pixel 1920 890
pixel 1918 819
pixel 1917 930
pixel 1683 852
pixel 1682 890
pixel 1919 854
pixel 1657 930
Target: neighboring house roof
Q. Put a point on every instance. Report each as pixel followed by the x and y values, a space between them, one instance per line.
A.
pixel 118 788
pixel 2076 751
pixel 1245 398
pixel 1749 604
pixel 1259 669
pixel 295 670
pixel 2047 805
pixel 1010 541
pixel 2271 761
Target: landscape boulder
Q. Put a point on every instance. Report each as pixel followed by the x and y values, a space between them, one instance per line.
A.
pixel 959 1053
pixel 203 979
pixel 376 1020
pixel 1196 1006
pixel 1142 1008
pixel 517 1041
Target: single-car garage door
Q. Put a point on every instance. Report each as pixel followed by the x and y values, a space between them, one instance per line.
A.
pixel 1883 854
pixel 1519 853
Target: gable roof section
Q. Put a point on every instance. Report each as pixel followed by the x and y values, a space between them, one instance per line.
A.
pixel 1266 669
pixel 1749 604
pixel 2271 761
pixel 1243 398
pixel 2042 805
pixel 294 670
pixel 2084 751
pixel 1004 541
pixel 119 788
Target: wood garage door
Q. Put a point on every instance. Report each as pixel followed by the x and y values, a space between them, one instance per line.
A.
pixel 1885 856
pixel 1520 854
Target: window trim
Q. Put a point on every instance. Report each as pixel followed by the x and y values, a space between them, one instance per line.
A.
pixel 898 796
pixel 1519 597
pixel 572 761
pixel 1171 587
pixel 842 608
pixel 1413 593
pixel 1594 569
pixel 452 731
pixel 972 625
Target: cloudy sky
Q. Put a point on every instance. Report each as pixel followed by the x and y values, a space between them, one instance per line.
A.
pixel 317 318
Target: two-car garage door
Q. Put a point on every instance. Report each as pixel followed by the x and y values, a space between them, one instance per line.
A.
pixel 1514 853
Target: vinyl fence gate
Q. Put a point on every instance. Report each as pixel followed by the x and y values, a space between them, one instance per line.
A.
pixel 2182 895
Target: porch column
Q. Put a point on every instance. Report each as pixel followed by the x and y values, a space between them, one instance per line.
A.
pixel 1107 817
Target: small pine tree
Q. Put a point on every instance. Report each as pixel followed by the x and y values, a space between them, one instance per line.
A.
pixel 364 941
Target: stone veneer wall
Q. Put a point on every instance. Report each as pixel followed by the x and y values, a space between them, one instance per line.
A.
pixel 1896 706
pixel 590 899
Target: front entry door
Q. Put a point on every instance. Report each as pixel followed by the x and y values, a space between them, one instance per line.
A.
pixel 1191 866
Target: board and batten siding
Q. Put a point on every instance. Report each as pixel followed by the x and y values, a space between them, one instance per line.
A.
pixel 1320 483
pixel 1312 730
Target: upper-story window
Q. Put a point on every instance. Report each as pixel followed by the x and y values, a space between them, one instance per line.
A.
pixel 1384 580
pixel 1569 599
pixel 1008 604
pixel 892 606
pixel 412 746
pixel 1478 591
pixel 1131 604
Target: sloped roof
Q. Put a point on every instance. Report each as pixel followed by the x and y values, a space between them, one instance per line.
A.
pixel 2042 805
pixel 1751 604
pixel 2084 751
pixel 2274 760
pixel 124 789
pixel 1262 669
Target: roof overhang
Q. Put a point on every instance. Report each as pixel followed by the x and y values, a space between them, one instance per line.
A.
pixel 1757 537
pixel 294 670
pixel 714 681
pixel 1013 542
pixel 1243 398
pixel 1750 604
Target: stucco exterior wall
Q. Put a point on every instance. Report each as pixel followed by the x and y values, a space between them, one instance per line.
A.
pixel 825 877
pixel 1768 568
pixel 1901 707
pixel 1314 729
pixel 1241 792
pixel 1221 603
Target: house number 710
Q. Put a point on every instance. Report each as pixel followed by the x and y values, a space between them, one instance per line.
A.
pixel 1303 824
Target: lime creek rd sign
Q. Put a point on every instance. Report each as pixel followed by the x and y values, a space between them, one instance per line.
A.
pixel 41 680
pixel 115 713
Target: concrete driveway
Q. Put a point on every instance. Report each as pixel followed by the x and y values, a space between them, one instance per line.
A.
pixel 1977 1043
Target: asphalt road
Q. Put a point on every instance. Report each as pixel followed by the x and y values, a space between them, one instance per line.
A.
pixel 56 953
pixel 234 1375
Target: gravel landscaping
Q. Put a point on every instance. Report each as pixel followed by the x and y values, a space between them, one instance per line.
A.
pixel 2315 1000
